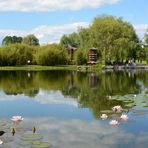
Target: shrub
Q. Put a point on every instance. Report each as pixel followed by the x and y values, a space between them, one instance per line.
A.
pixel 81 57
pixel 51 55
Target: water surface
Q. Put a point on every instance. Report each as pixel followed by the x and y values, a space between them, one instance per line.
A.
pixel 65 108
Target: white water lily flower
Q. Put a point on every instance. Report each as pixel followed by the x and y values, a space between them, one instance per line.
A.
pixel 104 116
pixel 109 97
pixel 113 122
pixel 1 142
pixel 124 117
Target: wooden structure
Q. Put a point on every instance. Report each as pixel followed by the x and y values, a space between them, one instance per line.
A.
pixel 92 56
pixel 71 53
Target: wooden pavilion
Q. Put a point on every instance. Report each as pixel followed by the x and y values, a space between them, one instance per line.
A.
pixel 92 56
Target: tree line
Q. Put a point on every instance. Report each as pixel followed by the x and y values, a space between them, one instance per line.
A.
pixel 116 42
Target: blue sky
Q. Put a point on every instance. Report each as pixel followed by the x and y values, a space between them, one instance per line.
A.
pixel 49 19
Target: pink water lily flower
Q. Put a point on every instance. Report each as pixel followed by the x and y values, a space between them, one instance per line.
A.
pixel 17 119
pixel 113 122
pixel 124 117
pixel 117 109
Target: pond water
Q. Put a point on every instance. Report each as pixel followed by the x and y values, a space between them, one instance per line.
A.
pixel 63 109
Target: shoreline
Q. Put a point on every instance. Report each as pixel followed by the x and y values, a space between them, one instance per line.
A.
pixel 37 68
pixel 124 67
pixel 81 68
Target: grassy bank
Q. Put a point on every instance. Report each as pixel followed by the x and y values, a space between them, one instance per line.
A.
pixel 38 68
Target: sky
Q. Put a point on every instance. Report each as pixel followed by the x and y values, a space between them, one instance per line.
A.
pixel 50 19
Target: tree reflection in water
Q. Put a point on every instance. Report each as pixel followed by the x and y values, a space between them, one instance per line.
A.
pixel 90 90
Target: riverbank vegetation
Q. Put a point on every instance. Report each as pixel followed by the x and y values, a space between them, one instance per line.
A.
pixel 116 42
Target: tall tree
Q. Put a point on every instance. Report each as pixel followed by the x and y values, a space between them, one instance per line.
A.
pixel 11 40
pixel 71 39
pixel 115 38
pixel 31 40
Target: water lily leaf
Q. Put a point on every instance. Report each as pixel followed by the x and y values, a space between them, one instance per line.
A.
pixel 42 145
pixel 36 142
pixel 106 111
pixel 24 143
pixel 31 137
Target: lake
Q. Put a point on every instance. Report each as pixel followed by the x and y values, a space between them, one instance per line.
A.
pixel 63 108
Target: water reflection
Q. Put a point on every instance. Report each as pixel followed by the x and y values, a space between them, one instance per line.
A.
pixel 62 105
pixel 77 133
pixel 86 90
pixel 92 80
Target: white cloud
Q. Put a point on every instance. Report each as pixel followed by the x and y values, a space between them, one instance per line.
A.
pixel 43 97
pixel 76 133
pixel 54 97
pixel 46 34
pixel 51 5
pixel 141 29
pixel 52 34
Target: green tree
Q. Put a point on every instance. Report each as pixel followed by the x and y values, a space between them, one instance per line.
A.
pixel 16 54
pixel 113 37
pixel 11 40
pixel 31 40
pixel 71 39
pixel 85 38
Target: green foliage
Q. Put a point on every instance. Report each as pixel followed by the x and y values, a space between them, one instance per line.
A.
pixel 11 40
pixel 17 54
pixel 31 40
pixel 51 55
pixel 22 54
pixel 72 40
pixel 146 54
pixel 81 57
pixel 114 38
pixel 146 37
pixel 85 38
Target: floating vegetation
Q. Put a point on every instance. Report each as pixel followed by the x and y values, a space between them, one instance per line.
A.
pixel 25 143
pixel 140 101
pixel 33 140
pixel 31 137
pixel 27 136
pixel 41 145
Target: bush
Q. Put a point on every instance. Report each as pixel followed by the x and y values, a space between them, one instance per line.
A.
pixel 81 57
pixel 16 54
pixel 51 55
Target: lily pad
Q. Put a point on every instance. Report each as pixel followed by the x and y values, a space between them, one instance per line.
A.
pixel 42 145
pixel 36 143
pixel 24 143
pixel 31 137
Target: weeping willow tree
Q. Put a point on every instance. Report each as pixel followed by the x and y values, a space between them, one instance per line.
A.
pixel 114 38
